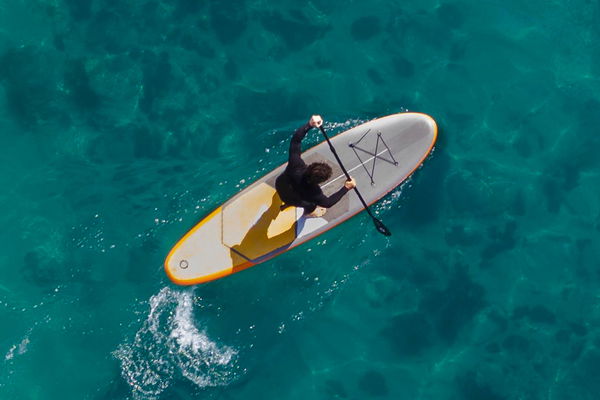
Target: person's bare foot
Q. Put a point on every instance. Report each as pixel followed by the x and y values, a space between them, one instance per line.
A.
pixel 317 212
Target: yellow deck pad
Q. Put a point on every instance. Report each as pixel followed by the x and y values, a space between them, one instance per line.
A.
pixel 254 225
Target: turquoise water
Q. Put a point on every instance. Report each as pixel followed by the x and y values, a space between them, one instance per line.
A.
pixel 122 124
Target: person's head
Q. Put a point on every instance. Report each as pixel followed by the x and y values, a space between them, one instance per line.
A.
pixel 317 172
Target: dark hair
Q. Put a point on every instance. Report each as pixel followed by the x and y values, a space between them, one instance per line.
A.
pixel 317 172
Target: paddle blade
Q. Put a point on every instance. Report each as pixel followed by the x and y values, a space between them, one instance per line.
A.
pixel 381 228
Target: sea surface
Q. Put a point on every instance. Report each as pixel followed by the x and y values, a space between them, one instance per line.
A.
pixel 123 123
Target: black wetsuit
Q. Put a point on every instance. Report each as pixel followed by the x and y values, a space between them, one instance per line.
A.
pixel 293 188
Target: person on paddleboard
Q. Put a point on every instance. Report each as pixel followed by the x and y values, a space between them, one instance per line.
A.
pixel 299 184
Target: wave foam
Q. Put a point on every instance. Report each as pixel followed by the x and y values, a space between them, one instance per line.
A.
pixel 17 349
pixel 170 345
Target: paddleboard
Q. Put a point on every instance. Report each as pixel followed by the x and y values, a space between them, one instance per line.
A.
pixel 250 228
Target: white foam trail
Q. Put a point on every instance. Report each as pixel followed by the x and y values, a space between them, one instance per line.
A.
pixel 17 349
pixel 203 358
pixel 170 345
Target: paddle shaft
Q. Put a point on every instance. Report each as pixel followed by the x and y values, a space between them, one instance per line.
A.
pixel 345 172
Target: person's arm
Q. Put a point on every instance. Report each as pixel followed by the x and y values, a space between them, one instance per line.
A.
pixel 330 201
pixel 296 147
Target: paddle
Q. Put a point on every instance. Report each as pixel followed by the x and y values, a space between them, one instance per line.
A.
pixel 381 228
